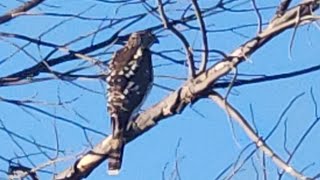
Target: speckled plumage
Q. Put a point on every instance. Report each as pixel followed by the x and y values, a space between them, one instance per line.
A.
pixel 129 82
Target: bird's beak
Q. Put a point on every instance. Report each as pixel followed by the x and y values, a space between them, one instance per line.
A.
pixel 156 40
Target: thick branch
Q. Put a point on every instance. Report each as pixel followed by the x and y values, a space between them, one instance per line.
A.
pixel 13 13
pixel 188 93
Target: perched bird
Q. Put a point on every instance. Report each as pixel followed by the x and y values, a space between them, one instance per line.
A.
pixel 129 81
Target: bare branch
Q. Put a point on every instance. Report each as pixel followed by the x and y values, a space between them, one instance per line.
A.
pixel 195 87
pixel 254 137
pixel 186 45
pixel 283 7
pixel 259 17
pixel 190 92
pixel 23 8
pixel 306 133
pixel 18 172
pixel 203 30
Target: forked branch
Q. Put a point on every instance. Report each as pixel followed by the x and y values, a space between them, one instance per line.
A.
pixel 196 88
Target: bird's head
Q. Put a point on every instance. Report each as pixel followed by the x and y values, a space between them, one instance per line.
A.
pixel 145 39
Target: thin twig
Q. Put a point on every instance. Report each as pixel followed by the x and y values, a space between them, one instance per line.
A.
pixel 204 36
pixel 186 45
pixel 259 17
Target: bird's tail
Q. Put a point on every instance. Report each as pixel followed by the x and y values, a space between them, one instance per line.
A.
pixel 115 157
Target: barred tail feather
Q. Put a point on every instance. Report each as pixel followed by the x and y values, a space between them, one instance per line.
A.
pixel 115 158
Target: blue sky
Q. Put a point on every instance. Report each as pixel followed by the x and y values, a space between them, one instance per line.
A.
pixel 207 144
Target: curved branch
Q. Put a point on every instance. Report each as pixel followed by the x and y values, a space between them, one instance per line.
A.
pixel 203 30
pixel 191 91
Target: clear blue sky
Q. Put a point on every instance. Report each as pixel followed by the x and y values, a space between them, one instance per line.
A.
pixel 207 145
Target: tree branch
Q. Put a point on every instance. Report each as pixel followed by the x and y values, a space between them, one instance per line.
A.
pixel 234 114
pixel 203 30
pixel 192 90
pixel 15 12
pixel 186 45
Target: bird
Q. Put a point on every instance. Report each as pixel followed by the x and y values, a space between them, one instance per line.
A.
pixel 129 82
